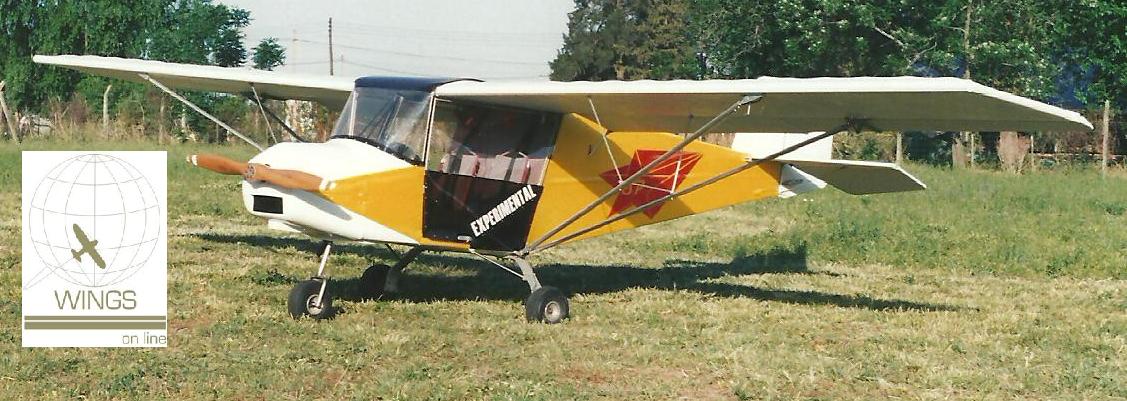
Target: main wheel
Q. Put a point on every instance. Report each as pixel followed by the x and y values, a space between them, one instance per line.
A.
pixel 305 301
pixel 546 305
pixel 373 280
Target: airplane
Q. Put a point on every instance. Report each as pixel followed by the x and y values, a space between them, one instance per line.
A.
pixel 87 248
pixel 505 170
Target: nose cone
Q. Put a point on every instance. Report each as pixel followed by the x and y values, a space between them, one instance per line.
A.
pixel 310 209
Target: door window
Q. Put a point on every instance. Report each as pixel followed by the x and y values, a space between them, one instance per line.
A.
pixel 489 142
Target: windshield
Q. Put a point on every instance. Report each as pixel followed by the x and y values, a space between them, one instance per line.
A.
pixel 394 121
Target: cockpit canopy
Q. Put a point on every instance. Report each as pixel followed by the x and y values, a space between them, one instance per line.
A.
pixel 400 115
pixel 394 121
pixel 390 113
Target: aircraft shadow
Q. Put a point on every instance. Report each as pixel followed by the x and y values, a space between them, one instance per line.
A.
pixel 469 278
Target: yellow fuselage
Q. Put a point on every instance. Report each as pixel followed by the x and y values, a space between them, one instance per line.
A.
pixel 579 170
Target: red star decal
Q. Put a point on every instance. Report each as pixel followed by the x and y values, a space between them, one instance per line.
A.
pixel 661 181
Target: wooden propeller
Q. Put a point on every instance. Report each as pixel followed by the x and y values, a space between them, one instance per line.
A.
pixel 291 179
pixel 218 164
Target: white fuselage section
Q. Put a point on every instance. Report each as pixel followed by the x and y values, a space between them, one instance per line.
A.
pixel 310 213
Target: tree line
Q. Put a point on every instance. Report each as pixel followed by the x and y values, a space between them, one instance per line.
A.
pixel 180 31
pixel 1070 53
pixel 1066 52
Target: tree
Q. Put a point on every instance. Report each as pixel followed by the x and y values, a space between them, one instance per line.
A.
pixel 797 38
pixel 1009 45
pixel 627 39
pixel 592 49
pixel 668 49
pixel 1092 45
pixel 269 54
pixel 227 45
pixel 198 32
pixel 186 31
pixel 102 27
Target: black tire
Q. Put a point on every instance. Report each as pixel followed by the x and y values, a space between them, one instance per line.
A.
pixel 546 305
pixel 373 280
pixel 303 297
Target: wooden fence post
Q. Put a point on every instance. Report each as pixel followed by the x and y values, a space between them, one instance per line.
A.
pixel 899 147
pixel 161 116
pixel 106 110
pixel 13 129
pixel 3 119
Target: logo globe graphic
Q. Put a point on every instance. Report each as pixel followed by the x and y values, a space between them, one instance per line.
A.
pixel 94 221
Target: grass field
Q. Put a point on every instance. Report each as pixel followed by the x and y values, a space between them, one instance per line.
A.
pixel 987 286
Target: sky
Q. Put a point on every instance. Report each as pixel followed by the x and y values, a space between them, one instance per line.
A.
pixel 485 39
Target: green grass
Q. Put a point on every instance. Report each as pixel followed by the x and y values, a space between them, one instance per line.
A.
pixel 986 286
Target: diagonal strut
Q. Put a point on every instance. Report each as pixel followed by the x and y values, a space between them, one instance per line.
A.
pixel 743 101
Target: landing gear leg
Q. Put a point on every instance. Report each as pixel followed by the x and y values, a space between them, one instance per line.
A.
pixel 312 297
pixel 545 304
pixel 380 279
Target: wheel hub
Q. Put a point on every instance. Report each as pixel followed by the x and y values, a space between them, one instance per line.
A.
pixel 552 311
pixel 313 304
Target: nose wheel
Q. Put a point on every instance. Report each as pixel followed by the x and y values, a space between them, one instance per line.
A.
pixel 312 297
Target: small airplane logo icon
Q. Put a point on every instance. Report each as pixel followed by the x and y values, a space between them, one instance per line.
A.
pixel 87 248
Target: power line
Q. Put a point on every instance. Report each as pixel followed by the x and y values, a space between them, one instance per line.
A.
pixel 448 32
pixel 369 34
pixel 413 73
pixel 385 69
pixel 468 41
pixel 425 56
pixel 317 62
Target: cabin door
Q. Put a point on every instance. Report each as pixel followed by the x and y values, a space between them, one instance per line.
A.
pixel 485 173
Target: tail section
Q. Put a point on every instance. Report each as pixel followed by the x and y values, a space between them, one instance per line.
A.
pixel 812 167
pixel 588 162
pixel 861 177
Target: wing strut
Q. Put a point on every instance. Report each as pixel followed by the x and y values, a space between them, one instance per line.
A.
pixel 744 100
pixel 606 132
pixel 853 125
pixel 271 115
pixel 258 101
pixel 193 106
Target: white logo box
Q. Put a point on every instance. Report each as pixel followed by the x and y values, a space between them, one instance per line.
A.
pixel 95 249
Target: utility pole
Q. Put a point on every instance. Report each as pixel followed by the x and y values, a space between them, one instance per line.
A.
pixel 1105 131
pixel 330 46
pixel 969 136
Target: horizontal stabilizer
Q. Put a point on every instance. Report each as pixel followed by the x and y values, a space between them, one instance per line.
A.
pixel 328 90
pixel 860 177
